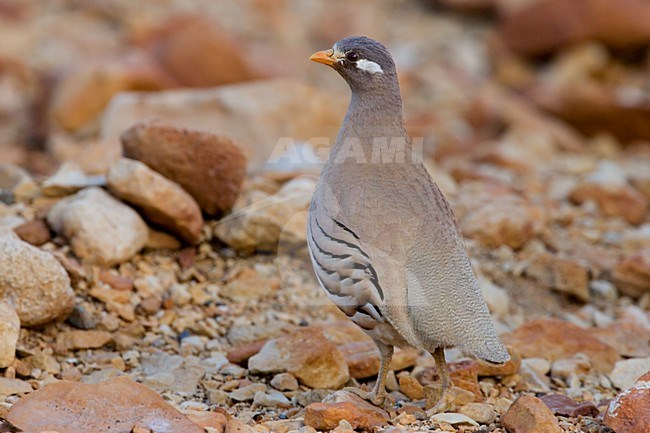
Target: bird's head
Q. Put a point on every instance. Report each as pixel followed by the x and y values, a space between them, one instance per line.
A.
pixel 363 62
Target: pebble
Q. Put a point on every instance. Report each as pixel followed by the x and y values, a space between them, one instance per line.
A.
pixel 271 398
pixel 480 412
pixel 74 340
pixel 284 382
pixel 9 332
pixel 529 414
pixel 247 393
pixel 160 200
pixel 69 179
pixel 628 371
pixel 209 167
pixel 453 419
pixel 565 406
pixel 307 355
pixel 101 229
pixel 33 281
pixel 34 232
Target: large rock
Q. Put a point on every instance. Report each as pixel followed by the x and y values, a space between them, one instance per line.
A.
pixel 632 274
pixel 547 25
pixel 628 412
pixel 529 414
pixel 119 405
pixel 9 332
pixel 344 406
pixel 307 355
pixel 262 116
pixel 160 200
pixel 209 167
pixel 263 222
pixel 554 339
pixel 34 282
pixel 101 229
pixel 195 52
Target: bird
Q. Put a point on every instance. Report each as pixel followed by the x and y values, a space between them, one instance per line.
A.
pixel 383 240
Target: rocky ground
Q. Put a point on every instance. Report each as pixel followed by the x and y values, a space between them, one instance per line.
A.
pixel 154 274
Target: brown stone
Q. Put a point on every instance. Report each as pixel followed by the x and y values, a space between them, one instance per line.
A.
pixel 216 420
pixel 198 53
pixel 564 275
pixel 209 167
pixel 73 340
pixel 510 367
pixel 237 426
pixel 241 354
pixel 160 200
pixel 632 274
pixel 117 282
pixel 529 414
pixel 628 412
pixel 547 25
pixel 363 358
pixel 411 388
pixel 35 232
pixel 116 405
pixel 565 406
pixel 554 339
pixel 344 406
pixel 306 354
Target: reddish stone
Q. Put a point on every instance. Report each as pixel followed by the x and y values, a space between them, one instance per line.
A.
pixel 35 232
pixel 359 413
pixel 117 282
pixel 116 405
pixel 554 339
pixel 565 406
pixel 209 167
pixel 632 274
pixel 628 412
pixel 529 414
pixel 240 354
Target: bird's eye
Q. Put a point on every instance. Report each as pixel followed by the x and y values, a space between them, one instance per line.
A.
pixel 352 56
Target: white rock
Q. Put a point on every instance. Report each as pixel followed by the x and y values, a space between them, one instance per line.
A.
pixel 627 371
pixel 69 179
pixel 101 229
pixel 453 419
pixel 479 412
pixel 9 332
pixel 33 281
pixel 271 398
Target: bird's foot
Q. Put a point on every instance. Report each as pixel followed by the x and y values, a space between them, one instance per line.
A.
pixel 375 398
pixel 443 399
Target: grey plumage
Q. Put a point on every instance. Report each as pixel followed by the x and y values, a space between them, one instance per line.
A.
pixel 384 241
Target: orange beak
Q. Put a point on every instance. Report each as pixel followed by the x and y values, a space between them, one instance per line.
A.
pixel 324 57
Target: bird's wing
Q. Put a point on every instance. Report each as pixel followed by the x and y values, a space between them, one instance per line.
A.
pixel 344 269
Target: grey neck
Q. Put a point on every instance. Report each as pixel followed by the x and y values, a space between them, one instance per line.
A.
pixel 376 112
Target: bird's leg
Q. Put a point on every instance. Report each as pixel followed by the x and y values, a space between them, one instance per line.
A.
pixel 443 372
pixel 378 393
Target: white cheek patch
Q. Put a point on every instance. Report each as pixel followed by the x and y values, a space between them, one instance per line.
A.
pixel 369 66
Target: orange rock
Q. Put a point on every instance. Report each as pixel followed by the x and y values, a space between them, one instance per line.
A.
pixel 198 53
pixel 628 412
pixel 73 340
pixel 529 414
pixel 464 375
pixel 554 339
pixel 117 282
pixel 209 167
pixel 564 275
pixel 547 25
pixel 510 367
pixel 632 274
pixel 216 420
pixel 79 407
pixel 411 388
pixel 241 354
pixel 359 413
pixel 35 232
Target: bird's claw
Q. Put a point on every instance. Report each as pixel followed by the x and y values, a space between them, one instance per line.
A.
pixel 372 397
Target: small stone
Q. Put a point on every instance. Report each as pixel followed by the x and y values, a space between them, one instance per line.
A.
pixel 284 382
pixel 33 281
pixel 628 412
pixel 158 240
pixel 453 419
pixel 554 339
pixel 271 398
pixel 565 406
pixel 248 284
pixel 69 179
pixel 632 274
pixel 307 355
pixel 9 332
pixel 628 371
pixel 13 386
pixel 247 393
pixel 117 282
pixel 209 167
pixel 344 406
pixel 34 232
pixel 101 229
pixel 529 414
pixel 480 412
pixel 241 354
pixel 81 318
pixel 74 340
pixel 411 388
pixel 160 200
